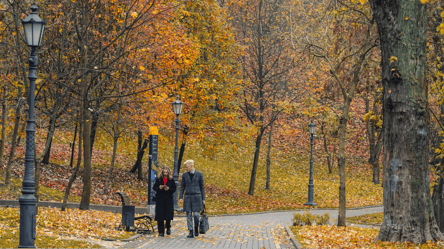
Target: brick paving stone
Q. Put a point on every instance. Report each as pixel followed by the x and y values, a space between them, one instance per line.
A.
pixel 248 231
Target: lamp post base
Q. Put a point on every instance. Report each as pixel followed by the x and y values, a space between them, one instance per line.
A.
pixel 310 203
pixel 176 195
pixel 27 221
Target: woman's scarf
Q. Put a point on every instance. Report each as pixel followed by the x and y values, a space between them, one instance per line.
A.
pixel 164 181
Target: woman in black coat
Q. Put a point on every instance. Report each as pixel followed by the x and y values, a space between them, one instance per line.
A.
pixel 164 187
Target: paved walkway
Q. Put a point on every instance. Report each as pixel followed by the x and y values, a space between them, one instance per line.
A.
pixel 255 231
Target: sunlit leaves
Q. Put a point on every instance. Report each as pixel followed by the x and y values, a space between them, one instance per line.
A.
pixel 72 222
pixel 330 236
pixel 440 28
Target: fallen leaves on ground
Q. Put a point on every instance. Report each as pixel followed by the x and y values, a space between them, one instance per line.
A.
pixel 72 222
pixel 329 236
pixel 226 187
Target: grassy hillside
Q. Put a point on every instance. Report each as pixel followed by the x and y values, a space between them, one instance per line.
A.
pixel 227 178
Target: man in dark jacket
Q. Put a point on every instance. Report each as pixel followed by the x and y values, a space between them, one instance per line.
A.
pixel 193 185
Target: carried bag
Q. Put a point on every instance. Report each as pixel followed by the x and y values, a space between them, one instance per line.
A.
pixel 203 221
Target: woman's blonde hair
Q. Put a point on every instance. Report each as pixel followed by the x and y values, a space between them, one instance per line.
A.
pixel 160 173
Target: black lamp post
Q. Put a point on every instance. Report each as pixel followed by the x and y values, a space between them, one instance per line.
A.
pixel 34 27
pixel 310 202
pixel 177 108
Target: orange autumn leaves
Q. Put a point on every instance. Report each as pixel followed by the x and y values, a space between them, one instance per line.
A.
pixel 73 222
pixel 329 236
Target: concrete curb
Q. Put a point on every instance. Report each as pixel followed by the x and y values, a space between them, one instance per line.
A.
pixel 124 240
pixel 143 210
pixel 293 238
pixel 289 210
pixel 106 208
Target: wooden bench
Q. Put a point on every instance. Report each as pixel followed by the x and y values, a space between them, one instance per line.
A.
pixel 140 224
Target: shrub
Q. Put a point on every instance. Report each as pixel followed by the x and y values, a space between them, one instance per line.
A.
pixel 309 219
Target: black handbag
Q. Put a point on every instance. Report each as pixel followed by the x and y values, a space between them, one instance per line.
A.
pixel 203 221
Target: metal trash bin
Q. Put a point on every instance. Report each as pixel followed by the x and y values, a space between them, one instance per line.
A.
pixel 128 217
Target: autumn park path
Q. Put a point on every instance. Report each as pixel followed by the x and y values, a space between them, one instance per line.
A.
pixel 259 230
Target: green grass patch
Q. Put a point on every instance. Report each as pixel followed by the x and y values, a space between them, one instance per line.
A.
pixel 367 219
pixel 10 239
pixel 15 189
pixel 228 175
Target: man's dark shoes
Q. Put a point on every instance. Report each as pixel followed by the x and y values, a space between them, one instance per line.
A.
pixel 168 231
pixel 191 234
pixel 196 231
pixel 161 234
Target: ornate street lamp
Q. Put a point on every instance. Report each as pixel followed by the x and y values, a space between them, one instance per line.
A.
pixel 34 27
pixel 310 202
pixel 177 108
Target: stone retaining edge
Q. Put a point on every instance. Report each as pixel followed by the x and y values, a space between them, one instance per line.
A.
pixel 281 211
pixel 106 208
pixel 143 210
pixel 293 238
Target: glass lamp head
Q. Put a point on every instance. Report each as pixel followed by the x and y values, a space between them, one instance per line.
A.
pixel 312 128
pixel 177 106
pixel 34 27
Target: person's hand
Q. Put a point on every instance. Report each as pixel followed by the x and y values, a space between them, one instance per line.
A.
pixel 166 188
pixel 161 186
pixel 203 202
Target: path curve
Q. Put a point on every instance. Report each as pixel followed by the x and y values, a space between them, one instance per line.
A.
pixel 238 231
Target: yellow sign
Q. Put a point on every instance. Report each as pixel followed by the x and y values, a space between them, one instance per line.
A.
pixel 154 130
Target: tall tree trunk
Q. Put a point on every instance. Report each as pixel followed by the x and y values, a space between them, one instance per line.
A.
pixel 324 136
pixel 267 182
pixel 95 120
pixel 437 200
pixel 74 173
pixel 182 147
pixel 86 193
pixel 73 146
pixel 38 159
pixel 48 152
pixel 181 152
pixel 374 159
pixel 438 189
pixel 342 162
pixel 374 143
pixel 4 122
pixel 140 152
pixel 348 95
pixel 111 167
pixel 139 149
pixel 255 162
pixel 408 209
pixel 14 139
